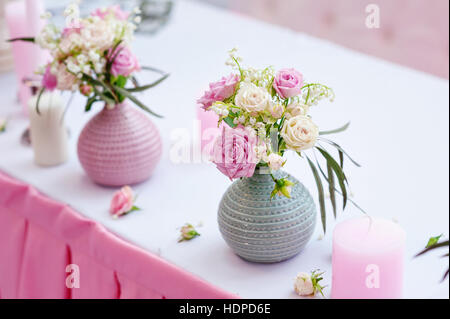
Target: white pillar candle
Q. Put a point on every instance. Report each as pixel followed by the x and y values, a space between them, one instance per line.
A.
pixel 47 129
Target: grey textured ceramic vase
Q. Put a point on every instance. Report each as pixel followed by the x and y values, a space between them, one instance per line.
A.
pixel 262 230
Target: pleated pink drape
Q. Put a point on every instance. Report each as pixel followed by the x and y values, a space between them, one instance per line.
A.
pixel 40 237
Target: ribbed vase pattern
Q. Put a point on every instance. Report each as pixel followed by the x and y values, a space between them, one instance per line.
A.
pixel 262 230
pixel 119 147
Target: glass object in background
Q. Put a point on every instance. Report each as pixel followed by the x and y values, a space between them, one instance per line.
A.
pixel 155 13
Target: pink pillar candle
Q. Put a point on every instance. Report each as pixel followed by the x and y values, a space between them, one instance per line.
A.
pixel 35 23
pixel 23 20
pixel 17 24
pixel 368 256
pixel 208 129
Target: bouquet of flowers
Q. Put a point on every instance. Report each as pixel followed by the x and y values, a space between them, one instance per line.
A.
pixel 92 55
pixel 266 114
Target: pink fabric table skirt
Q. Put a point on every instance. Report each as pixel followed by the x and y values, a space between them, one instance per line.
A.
pixel 40 237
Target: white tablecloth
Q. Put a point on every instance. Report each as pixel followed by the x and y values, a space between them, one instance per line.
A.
pixel 399 133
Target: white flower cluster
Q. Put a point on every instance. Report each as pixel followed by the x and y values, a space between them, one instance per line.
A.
pixel 314 93
pixel 82 47
pixel 256 104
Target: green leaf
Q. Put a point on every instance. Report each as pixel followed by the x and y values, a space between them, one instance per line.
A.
pixel 338 130
pixel 148 86
pixel 339 149
pixel 135 81
pixel 111 61
pixel 24 39
pixel 342 179
pixel 38 100
pixel 120 81
pixel 445 275
pixel 229 121
pixel 90 102
pixel 97 82
pixel 435 246
pixel 135 100
pixel 341 159
pixel 321 195
pixel 337 191
pixel 152 69
pixel 331 188
pixel 104 97
pixel 134 209
pixel 433 241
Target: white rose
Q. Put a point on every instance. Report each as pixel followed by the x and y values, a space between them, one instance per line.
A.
pixel 252 98
pixel 303 285
pixel 277 110
pixel 295 109
pixel 299 133
pixel 275 161
pixel 98 34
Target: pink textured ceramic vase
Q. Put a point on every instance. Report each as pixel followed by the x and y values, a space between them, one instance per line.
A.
pixel 120 146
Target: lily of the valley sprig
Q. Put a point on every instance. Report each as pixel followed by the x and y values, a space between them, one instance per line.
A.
pixel 92 55
pixel 266 113
pixel 122 202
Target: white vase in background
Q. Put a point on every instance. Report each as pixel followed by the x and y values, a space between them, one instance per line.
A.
pixel 48 131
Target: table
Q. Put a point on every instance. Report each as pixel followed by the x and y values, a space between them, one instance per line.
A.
pixel 399 133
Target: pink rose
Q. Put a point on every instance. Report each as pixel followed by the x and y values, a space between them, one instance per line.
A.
pixel 122 202
pixel 219 91
pixel 115 10
pixel 234 152
pixel 288 83
pixel 49 82
pixel 125 62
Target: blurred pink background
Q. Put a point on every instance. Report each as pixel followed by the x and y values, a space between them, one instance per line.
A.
pixel 414 33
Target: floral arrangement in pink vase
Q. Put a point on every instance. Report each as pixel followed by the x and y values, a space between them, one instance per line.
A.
pixel 92 55
pixel 267 114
